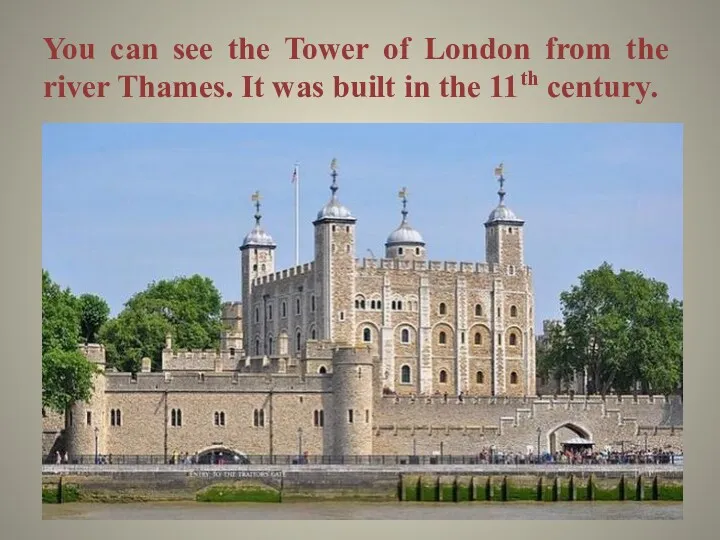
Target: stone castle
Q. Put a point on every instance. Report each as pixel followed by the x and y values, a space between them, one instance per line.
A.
pixel 340 356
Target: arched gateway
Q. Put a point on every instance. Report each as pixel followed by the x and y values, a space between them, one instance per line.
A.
pixel 219 455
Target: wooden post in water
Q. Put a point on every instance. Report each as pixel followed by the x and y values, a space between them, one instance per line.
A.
pixel 489 489
pixel 60 491
pixel 591 488
pixel 472 487
pixel 419 490
pixel 539 495
pixel 621 488
pixel 401 487
pixel 556 489
pixel 438 489
pixel 640 489
pixel 571 489
pixel 456 490
pixel 655 489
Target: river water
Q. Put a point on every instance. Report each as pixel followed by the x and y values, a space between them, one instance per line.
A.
pixel 354 510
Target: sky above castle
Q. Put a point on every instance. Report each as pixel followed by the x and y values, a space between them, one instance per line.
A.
pixel 127 204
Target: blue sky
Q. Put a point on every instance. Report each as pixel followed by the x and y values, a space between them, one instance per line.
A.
pixel 127 204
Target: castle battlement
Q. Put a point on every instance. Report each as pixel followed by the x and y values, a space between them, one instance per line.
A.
pixel 284 274
pixel 216 382
pixel 560 401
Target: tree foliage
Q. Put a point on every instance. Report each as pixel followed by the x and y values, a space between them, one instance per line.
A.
pixel 619 328
pixel 94 312
pixel 187 307
pixel 66 373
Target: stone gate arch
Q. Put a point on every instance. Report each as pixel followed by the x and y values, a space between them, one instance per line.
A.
pixel 563 431
pixel 216 454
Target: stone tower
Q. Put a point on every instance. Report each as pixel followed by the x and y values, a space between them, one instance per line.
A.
pixel 86 423
pixel 257 260
pixel 335 269
pixel 405 243
pixel 504 249
pixel 504 234
pixel 352 383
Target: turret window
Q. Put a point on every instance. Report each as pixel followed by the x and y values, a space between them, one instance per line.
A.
pixel 513 378
pixel 312 334
pixel 478 310
pixel 513 339
pixel 322 370
pixel 219 418
pixel 513 311
pixel 297 306
pixel 400 251
pixel 479 377
pixel 319 418
pixel 478 338
pixel 417 251
pixel 115 417
pixel 442 338
pixel 442 309
pixel 297 342
pixel 176 418
pixel 269 312
pixel 312 303
pixel 443 376
pixel 405 335
pixel 257 315
pixel 259 418
pixel 283 310
pixel 89 418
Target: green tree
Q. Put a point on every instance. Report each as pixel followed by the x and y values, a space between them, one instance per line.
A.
pixel 187 307
pixel 94 312
pixel 66 373
pixel 622 328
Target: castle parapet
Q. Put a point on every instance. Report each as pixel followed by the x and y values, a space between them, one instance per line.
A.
pixel 427 266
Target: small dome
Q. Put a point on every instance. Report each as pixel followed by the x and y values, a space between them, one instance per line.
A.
pixel 404 234
pixel 258 237
pixel 334 210
pixel 502 213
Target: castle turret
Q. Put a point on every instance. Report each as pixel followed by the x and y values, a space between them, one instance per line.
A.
pixel 86 423
pixel 335 269
pixel 405 242
pixel 257 260
pixel 352 383
pixel 504 234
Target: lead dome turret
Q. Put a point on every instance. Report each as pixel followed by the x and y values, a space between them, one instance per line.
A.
pixel 405 242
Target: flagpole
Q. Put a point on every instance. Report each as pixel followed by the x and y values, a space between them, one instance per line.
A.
pixel 297 212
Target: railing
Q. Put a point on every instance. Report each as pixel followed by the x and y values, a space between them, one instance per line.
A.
pixel 237 459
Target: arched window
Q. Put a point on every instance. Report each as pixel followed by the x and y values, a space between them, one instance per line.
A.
pixel 479 377
pixel 297 306
pixel 513 311
pixel 270 345
pixel 443 376
pixel 297 341
pixel 312 334
pixel 270 312
pixel 257 315
pixel 417 251
pixel 393 304
pixel 322 370
pixel 478 338
pixel 283 309
pixel 399 304
pixel 367 337
pixel 443 309
pixel 478 310
pixel 405 374
pixel 312 303
pixel 405 335
pixel 513 339
pixel 513 378
pixel 379 304
pixel 257 347
pixel 442 338
pixel 400 251
pixel 372 304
